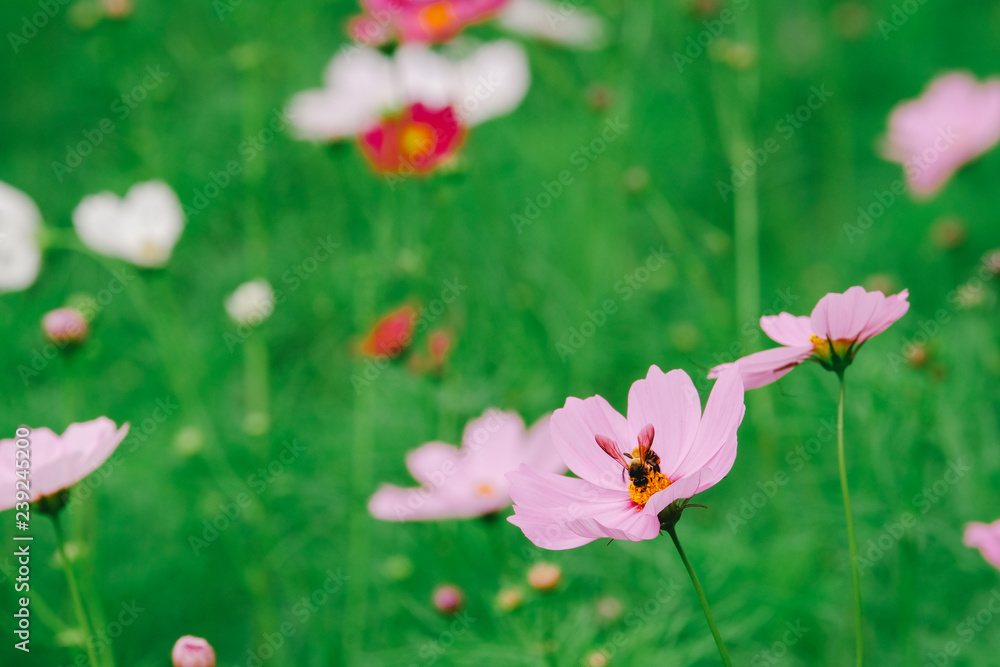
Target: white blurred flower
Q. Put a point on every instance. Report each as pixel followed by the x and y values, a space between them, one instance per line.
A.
pixel 562 23
pixel 141 228
pixel 361 85
pixel 251 303
pixel 20 254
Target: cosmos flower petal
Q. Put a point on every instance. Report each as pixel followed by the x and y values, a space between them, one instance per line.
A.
pixel 546 20
pixel 986 538
pixel 683 488
pixel 715 442
pixel 670 402
pixel 889 311
pixel 20 253
pixel 428 462
pixel 574 429
pixel 394 503
pixel 761 368
pixel 632 526
pixel 540 451
pixel 547 534
pixel 491 82
pixel 787 329
pixel 58 462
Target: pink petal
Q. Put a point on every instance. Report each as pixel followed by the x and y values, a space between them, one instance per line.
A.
pixel 433 463
pixel 632 526
pixel 670 402
pixel 685 487
pixel 540 451
pixel 762 368
pixel 393 503
pixel 986 538
pixel 715 443
pixel 890 310
pixel 493 444
pixel 787 329
pixel 574 428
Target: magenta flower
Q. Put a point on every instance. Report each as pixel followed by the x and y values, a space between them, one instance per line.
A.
pixel 629 468
pixel 986 538
pixel 422 21
pixel 956 120
pixel 838 327
pixel 467 482
pixel 56 461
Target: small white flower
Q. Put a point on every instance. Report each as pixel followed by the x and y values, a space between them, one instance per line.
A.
pixel 20 254
pixel 361 86
pixel 141 228
pixel 561 24
pixel 251 303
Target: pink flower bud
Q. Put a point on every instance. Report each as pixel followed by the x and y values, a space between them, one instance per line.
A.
pixel 448 599
pixel 544 576
pixel 193 652
pixel 65 325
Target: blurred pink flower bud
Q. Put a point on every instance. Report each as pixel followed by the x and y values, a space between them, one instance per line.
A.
pixel 65 325
pixel 448 599
pixel 544 576
pixel 193 652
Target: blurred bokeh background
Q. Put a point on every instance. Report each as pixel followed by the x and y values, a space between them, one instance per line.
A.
pixel 688 94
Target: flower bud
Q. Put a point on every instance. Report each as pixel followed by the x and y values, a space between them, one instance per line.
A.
pixel 510 599
pixel 193 652
pixel 391 334
pixel 117 9
pixel 597 659
pixel 65 326
pixel 251 303
pixel 448 599
pixel 544 576
pixel 949 233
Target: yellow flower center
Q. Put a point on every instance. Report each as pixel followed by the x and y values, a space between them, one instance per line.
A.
pixel 437 16
pixel 823 350
pixel 417 139
pixel 485 489
pixel 642 494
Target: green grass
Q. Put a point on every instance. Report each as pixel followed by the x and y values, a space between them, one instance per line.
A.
pixel 162 339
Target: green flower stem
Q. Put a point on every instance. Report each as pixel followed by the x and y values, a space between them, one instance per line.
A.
pixel 701 596
pixel 74 592
pixel 851 543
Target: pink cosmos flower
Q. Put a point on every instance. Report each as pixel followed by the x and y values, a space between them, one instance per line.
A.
pixel 629 468
pixel 192 652
pixel 468 482
pixel 410 112
pixel 986 538
pixel 57 461
pixel 423 21
pixel 956 120
pixel 838 327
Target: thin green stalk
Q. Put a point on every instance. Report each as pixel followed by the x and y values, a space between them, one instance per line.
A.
pixel 74 592
pixel 701 596
pixel 852 545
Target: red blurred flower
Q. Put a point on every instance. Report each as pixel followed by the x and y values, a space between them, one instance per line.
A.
pixel 418 139
pixel 391 334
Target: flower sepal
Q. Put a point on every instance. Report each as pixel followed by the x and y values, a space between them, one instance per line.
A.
pixel 53 504
pixel 671 514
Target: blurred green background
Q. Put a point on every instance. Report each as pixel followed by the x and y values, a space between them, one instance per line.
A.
pixel 527 291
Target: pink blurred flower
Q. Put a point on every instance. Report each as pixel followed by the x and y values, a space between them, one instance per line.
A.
pixel 616 496
pixel 468 482
pixel 391 334
pixel 58 461
pixel 956 120
pixel 986 538
pixel 63 326
pixel 838 327
pixel 448 599
pixel 193 652
pixel 424 21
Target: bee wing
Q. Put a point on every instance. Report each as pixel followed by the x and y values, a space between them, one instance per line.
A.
pixel 646 437
pixel 612 449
